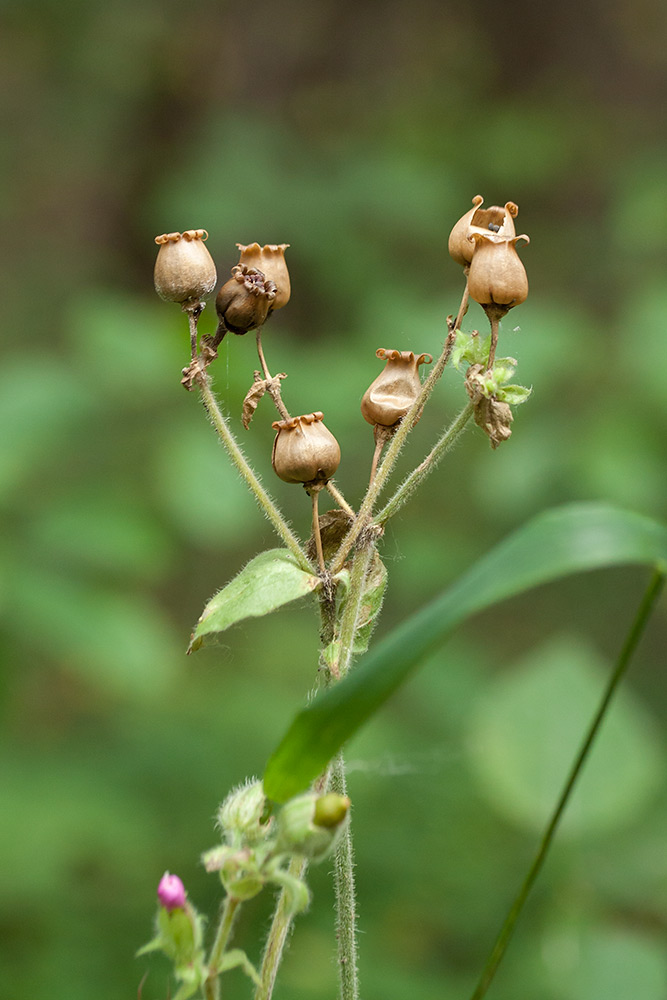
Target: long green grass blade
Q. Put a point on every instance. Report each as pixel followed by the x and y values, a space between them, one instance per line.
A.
pixel 555 544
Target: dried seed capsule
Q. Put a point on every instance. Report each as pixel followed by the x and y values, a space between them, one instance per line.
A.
pixel 497 277
pixel 184 269
pixel 270 260
pixel 243 302
pixel 390 396
pixel 304 450
pixel 478 219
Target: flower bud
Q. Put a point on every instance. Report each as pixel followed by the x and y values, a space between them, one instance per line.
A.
pixel 310 825
pixel 240 815
pixel 270 260
pixel 393 392
pixel 171 892
pixel 497 277
pixel 304 450
pixel 244 301
pixel 482 220
pixel 184 269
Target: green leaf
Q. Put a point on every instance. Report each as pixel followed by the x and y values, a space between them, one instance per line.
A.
pixel 513 394
pixel 266 583
pixel 557 543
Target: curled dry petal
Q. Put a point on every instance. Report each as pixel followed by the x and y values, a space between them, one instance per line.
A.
pixel 390 396
pixel 304 450
pixel 481 220
pixel 270 260
pixel 497 276
pixel 184 269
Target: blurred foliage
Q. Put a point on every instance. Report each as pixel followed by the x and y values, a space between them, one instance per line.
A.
pixel 359 134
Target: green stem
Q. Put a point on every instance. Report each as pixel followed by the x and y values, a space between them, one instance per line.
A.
pixel 417 476
pixel 346 902
pixel 242 465
pixel 277 939
pixel 629 646
pixel 229 911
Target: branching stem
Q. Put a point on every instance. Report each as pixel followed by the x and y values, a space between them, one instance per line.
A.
pixel 418 475
pixel 391 456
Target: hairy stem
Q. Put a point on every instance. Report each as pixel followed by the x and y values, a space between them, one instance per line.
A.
pixel 632 639
pixel 239 460
pixel 339 498
pixel 346 901
pixel 281 926
pixel 418 475
pixel 230 909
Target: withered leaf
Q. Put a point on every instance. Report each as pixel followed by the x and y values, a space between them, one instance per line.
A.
pixel 254 394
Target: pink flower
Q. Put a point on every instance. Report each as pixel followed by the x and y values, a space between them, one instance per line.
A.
pixel 171 892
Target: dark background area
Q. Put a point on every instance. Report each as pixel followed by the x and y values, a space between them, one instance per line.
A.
pixel 358 133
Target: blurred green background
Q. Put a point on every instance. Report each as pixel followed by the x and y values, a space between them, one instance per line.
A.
pixel 358 133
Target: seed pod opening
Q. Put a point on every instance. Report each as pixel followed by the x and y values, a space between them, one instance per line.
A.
pixel 481 220
pixel 304 451
pixel 390 396
pixel 184 269
pixel 270 260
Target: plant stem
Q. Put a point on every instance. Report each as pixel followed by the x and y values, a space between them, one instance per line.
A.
pixel 339 498
pixel 238 458
pixel 229 911
pixel 417 476
pixel 346 902
pixel 273 384
pixel 495 322
pixel 629 646
pixel 314 496
pixel 280 929
pixel 194 313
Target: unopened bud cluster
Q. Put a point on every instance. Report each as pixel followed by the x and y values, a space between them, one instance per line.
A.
pixel 256 846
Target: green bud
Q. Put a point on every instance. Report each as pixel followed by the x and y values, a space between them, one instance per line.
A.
pixel 240 815
pixel 331 809
pixel 310 825
pixel 179 934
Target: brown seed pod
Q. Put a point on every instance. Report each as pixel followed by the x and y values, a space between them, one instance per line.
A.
pixel 304 450
pixel 243 302
pixel 184 269
pixel 390 396
pixel 497 276
pixel 480 220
